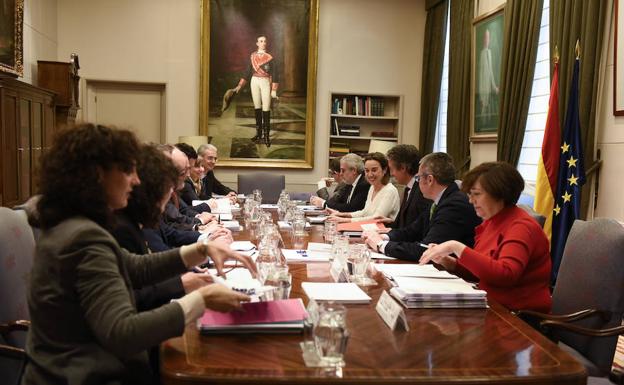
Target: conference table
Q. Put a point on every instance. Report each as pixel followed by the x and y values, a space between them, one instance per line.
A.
pixel 467 346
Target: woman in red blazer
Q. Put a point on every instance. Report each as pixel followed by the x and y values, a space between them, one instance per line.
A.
pixel 511 257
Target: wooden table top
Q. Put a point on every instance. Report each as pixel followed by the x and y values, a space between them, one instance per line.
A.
pixel 467 346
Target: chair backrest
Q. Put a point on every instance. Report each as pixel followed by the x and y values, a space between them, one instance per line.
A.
pixel 300 196
pixel 591 276
pixel 17 249
pixel 271 185
pixel 537 216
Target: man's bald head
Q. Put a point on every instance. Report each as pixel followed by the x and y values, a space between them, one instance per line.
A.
pixel 181 162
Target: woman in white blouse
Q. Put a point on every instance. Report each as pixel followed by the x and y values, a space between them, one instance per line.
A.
pixel 383 197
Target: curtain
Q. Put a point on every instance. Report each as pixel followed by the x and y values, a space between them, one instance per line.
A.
pixel 433 60
pixel 521 37
pixel 458 118
pixel 582 20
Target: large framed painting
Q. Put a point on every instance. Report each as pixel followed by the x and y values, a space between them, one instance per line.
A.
pixel 487 53
pixel 258 81
pixel 618 67
pixel 11 24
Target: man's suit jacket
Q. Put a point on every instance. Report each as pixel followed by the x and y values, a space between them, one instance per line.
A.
pixel 453 219
pixel 129 236
pixel 211 185
pixel 166 236
pixel 415 205
pixel 358 200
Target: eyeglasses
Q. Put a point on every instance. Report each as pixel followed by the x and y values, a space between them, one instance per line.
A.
pixel 417 177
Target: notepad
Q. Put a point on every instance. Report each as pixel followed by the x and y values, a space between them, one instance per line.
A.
pixel 242 246
pixel 339 292
pixel 273 316
pixel 413 270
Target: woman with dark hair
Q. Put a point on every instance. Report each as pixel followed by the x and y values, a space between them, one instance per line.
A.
pixel 383 198
pixel 158 177
pixel 84 324
pixel 510 256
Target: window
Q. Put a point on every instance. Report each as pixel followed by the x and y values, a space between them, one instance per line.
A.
pixel 538 107
pixel 439 143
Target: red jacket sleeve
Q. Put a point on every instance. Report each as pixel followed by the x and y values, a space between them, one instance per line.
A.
pixel 509 260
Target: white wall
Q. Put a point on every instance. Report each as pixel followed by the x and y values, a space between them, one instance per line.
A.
pixel 154 41
pixel 40 36
pixel 610 142
pixel 365 46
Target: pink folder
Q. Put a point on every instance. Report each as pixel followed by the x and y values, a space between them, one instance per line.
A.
pixel 287 313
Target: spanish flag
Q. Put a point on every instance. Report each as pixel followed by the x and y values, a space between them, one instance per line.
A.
pixel 548 166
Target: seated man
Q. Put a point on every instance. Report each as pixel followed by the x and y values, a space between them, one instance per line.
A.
pixel 403 161
pixel 451 215
pixel 177 212
pixel 353 197
pixel 332 185
pixel 210 184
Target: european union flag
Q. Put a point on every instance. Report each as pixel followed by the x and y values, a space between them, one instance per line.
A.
pixel 570 178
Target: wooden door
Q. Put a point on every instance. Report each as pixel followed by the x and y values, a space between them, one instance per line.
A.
pixel 10 147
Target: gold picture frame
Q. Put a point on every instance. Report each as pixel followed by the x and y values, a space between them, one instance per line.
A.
pixel 487 53
pixel 11 37
pixel 230 31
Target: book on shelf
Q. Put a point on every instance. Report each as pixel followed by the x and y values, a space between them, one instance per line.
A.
pixel 358 105
pixel 334 127
pixel 383 134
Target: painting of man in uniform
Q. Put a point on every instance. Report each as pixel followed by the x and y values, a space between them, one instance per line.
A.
pixel 258 78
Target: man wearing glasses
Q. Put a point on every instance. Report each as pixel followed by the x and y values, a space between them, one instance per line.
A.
pixel 210 184
pixel 451 216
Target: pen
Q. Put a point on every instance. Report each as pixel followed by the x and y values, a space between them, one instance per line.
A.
pixel 423 245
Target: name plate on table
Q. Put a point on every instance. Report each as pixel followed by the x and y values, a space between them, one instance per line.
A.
pixel 338 271
pixel 391 312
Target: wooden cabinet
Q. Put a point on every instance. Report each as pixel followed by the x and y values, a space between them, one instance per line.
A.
pixel 27 123
pixel 63 79
pixel 356 119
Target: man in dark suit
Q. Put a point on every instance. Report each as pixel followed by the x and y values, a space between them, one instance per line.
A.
pixel 451 216
pixel 403 161
pixel 353 197
pixel 210 184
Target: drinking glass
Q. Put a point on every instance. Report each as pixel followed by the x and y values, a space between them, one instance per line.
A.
pixel 331 335
pixel 281 279
pixel 266 261
pixel 340 247
pixel 329 231
pixel 257 195
pixel 359 257
pixel 298 232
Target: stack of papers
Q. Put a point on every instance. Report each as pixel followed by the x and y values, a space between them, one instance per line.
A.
pixel 280 316
pixel 283 225
pixel 358 227
pixel 232 225
pixel 412 270
pixel 417 292
pixel 339 292
pixel 317 219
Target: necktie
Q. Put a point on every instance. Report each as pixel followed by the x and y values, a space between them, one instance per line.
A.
pixel 405 195
pixel 431 210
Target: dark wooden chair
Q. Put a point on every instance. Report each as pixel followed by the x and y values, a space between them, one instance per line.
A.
pixel 588 298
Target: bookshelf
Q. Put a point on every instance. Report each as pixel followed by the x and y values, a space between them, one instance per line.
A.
pixel 357 118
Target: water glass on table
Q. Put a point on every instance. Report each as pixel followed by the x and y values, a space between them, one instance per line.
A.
pixel 340 247
pixel 359 258
pixel 298 232
pixel 329 231
pixel 281 279
pixel 331 335
pixel 257 195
